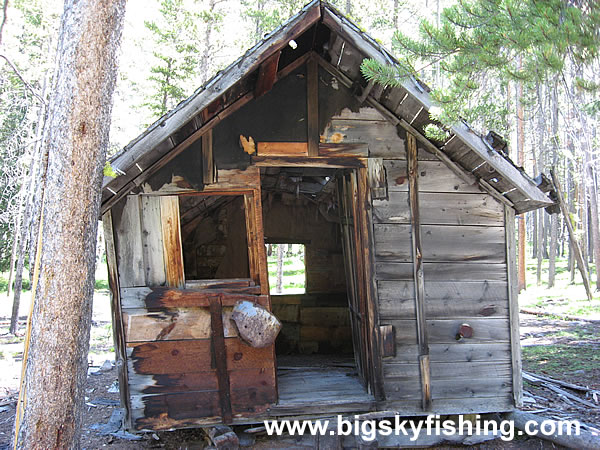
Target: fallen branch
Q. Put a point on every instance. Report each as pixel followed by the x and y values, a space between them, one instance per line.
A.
pixel 532 376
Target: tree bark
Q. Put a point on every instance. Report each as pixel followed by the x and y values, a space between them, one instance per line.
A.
pixel 521 159
pixel 553 217
pixel 76 137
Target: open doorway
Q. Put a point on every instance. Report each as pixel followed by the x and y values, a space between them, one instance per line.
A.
pixel 316 349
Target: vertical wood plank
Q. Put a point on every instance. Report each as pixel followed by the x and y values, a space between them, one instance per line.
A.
pixel 117 316
pixel 417 251
pixel 377 179
pixel 220 357
pixel 208 165
pixel 513 301
pixel 171 234
pixel 130 258
pixel 152 241
pixel 367 253
pixel 312 102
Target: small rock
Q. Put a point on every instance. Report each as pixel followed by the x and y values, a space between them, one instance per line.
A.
pixel 155 437
pixel 106 366
pixel 114 388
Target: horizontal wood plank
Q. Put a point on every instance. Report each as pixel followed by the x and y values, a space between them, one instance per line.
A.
pixel 459 351
pixel 177 357
pixel 445 330
pixel 142 325
pixel 441 209
pixel 452 406
pixel 464 291
pixel 441 243
pixel 451 371
pixel 446 271
pixel 434 176
pixel 282 148
pixel 448 389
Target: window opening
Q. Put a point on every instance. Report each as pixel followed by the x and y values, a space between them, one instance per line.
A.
pixel 287 268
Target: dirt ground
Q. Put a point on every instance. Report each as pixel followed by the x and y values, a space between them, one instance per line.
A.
pixel 564 350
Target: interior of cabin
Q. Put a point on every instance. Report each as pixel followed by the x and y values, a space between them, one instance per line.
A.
pixel 318 349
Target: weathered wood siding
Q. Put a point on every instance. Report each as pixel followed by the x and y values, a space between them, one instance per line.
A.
pixel 465 273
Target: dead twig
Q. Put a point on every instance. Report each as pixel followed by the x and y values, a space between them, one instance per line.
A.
pixel 18 74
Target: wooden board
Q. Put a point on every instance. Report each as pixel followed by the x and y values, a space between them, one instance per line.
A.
pixel 457 352
pixel 445 330
pixel 128 242
pixel 434 176
pixel 162 298
pixel 441 243
pixel 171 236
pixel 441 208
pixel 176 357
pixel 282 148
pixel 142 325
pixel 466 387
pixel 448 371
pixel 152 241
pixel 449 304
pixel 445 271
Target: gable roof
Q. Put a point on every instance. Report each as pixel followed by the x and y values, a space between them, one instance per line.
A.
pixel 469 154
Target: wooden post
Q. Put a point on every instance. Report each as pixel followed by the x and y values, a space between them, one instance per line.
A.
pixel 220 357
pixel 171 234
pixel 312 104
pixel 417 251
pixel 572 238
pixel 513 304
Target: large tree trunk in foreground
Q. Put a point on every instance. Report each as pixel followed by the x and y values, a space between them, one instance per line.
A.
pixel 76 137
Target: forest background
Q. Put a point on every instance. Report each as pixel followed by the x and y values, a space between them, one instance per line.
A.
pixel 547 112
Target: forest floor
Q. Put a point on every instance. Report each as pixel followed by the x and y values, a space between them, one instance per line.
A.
pixel 567 350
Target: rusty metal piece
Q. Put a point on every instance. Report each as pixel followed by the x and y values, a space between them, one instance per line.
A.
pixel 256 326
pixel 465 331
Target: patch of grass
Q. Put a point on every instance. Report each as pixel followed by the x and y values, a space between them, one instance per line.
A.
pixel 101 284
pixel 559 359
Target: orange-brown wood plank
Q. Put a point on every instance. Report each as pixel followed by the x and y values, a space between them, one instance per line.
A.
pixel 173 253
pixel 267 74
pixel 282 148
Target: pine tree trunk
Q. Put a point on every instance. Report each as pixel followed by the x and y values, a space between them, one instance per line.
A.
pixel 521 159
pixel 76 136
pixel 553 217
pixel 279 268
pixel 594 225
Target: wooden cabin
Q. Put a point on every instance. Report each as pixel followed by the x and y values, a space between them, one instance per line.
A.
pixel 410 302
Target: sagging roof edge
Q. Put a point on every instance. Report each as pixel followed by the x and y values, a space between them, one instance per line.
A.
pixel 314 11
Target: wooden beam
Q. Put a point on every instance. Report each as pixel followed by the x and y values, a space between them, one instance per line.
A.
pixel 282 148
pixel 572 238
pixel 419 280
pixel 312 105
pixel 208 164
pixel 513 305
pixel 308 161
pixel 220 358
pixel 344 149
pixel 117 315
pixel 267 73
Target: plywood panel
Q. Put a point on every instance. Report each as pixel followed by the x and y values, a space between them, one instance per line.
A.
pixel 441 243
pixel 441 208
pixel 128 237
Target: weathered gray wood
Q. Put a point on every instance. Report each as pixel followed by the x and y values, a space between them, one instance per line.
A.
pixel 447 304
pixel 441 243
pixel 451 388
pixel 312 106
pixel 445 330
pixel 434 176
pixel 128 236
pixel 446 271
pixel 142 325
pixel 116 313
pixel 465 291
pixel 458 352
pixel 441 208
pixel 451 406
pixel 513 301
pixel 448 371
pixel 377 179
pixel 152 243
